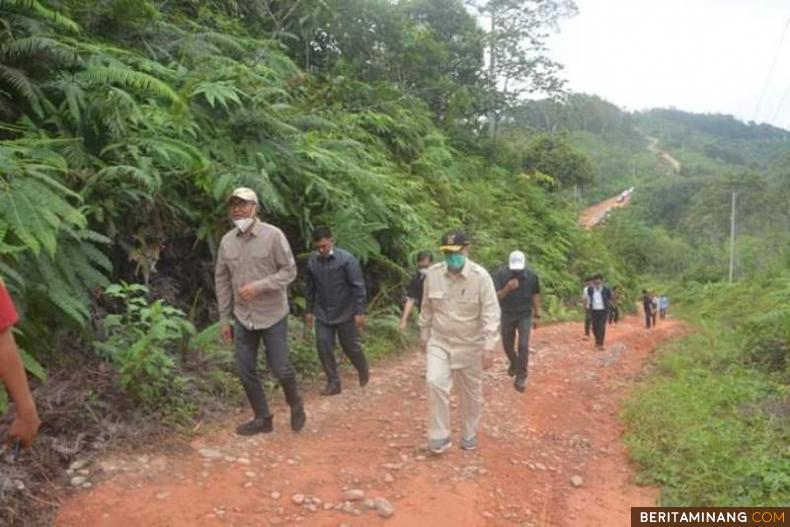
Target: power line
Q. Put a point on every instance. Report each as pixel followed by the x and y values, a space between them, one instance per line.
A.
pixel 781 102
pixel 771 70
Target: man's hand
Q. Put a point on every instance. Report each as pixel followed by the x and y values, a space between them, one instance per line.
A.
pixel 512 284
pixel 360 321
pixel 24 427
pixel 227 333
pixel 248 291
pixel 309 319
pixel 488 359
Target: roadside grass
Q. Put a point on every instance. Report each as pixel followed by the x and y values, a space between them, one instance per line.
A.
pixel 710 424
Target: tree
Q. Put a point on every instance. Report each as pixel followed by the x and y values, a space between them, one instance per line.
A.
pixel 518 63
pixel 553 155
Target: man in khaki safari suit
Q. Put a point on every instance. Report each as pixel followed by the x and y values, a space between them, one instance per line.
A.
pixel 459 329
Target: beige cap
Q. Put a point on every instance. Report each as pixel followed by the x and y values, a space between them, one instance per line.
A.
pixel 247 194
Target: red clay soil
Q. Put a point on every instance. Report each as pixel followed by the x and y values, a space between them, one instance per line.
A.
pixel 592 215
pixel 531 446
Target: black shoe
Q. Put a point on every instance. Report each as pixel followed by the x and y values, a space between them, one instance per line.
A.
pixel 331 389
pixel 511 371
pixel 364 377
pixel 256 426
pixel 298 417
pixel 520 384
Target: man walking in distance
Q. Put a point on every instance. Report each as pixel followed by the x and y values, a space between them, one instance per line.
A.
pixel 518 290
pixel 459 329
pixel 600 296
pixel 586 304
pixel 614 306
pixel 336 299
pixel 254 267
pixel 414 291
pixel 663 305
pixel 647 305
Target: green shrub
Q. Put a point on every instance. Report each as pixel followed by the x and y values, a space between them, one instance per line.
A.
pixel 141 342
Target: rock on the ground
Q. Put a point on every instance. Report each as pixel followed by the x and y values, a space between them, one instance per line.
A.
pixel 577 481
pixel 388 478
pixel 297 499
pixel 275 495
pixel 210 453
pixel 354 495
pixel 78 464
pixel 77 481
pixel 384 508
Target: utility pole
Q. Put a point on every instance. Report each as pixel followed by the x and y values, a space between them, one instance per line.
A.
pixel 732 235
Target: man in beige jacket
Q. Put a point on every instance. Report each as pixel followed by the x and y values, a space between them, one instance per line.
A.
pixel 254 267
pixel 459 329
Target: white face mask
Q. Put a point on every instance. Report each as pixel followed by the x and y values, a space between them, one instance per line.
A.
pixel 243 224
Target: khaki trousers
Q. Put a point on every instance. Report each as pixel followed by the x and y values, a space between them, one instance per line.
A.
pixel 464 367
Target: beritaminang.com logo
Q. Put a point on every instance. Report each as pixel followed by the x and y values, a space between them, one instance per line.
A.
pixel 689 517
pixel 710 516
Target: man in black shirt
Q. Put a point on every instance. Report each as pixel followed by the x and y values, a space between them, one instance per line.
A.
pixel 414 291
pixel 647 305
pixel 518 289
pixel 336 299
pixel 600 296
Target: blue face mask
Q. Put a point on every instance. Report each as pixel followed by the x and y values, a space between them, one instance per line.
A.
pixel 455 261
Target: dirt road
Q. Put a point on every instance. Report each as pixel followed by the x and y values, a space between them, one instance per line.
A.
pixel 549 457
pixel 653 147
pixel 592 216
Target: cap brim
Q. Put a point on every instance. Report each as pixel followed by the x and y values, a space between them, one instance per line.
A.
pixel 517 267
pixel 451 248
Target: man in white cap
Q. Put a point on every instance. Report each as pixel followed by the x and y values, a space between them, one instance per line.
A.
pixel 518 289
pixel 459 323
pixel 254 267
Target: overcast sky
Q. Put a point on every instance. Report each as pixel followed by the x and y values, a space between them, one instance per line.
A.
pixel 696 55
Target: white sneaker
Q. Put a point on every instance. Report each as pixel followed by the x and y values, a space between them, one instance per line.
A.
pixel 440 446
pixel 469 444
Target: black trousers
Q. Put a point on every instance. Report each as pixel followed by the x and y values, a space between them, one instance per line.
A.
pixel 275 342
pixel 599 325
pixel 614 314
pixel 523 325
pixel 349 341
pixel 587 322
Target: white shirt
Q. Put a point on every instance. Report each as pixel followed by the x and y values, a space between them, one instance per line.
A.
pixel 597 300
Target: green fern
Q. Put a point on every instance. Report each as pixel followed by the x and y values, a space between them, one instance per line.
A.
pixel 129 79
pixel 29 47
pixel 44 12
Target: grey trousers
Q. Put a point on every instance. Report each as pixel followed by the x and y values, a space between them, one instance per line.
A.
pixel 349 341
pixel 275 342
pixel 523 325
